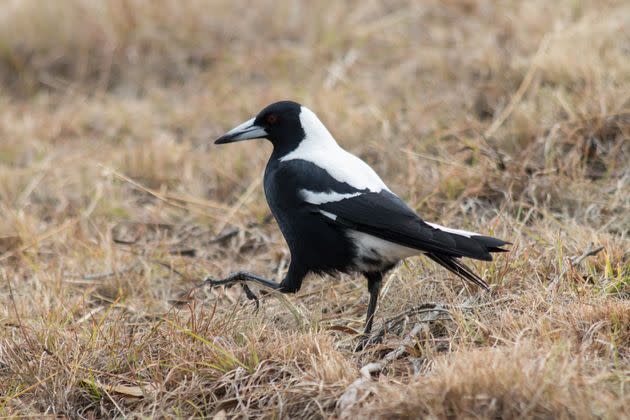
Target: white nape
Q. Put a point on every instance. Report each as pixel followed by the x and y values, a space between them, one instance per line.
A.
pixel 320 148
pixel 325 197
pixel 453 231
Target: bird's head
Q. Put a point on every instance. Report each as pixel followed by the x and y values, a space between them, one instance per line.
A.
pixel 285 124
pixel 278 122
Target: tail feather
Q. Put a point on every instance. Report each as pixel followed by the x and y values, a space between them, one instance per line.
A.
pixel 491 244
pixel 457 267
pixel 468 244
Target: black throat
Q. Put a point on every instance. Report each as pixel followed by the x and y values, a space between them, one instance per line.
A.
pixel 286 142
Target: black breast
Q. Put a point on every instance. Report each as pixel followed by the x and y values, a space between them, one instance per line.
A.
pixel 314 241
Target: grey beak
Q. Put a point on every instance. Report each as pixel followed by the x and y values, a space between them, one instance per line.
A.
pixel 247 130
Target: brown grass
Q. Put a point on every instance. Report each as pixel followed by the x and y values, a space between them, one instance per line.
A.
pixel 511 118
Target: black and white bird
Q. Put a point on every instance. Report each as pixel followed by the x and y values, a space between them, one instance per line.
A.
pixel 336 213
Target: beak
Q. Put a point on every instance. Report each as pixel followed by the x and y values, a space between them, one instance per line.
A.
pixel 247 130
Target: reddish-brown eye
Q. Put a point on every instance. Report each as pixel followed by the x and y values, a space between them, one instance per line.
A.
pixel 272 119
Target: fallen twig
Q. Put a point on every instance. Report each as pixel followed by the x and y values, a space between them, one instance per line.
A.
pixel 432 311
pixel 98 276
pixel 393 322
pixel 589 252
pixel 158 195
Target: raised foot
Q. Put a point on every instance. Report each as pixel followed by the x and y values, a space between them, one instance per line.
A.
pixel 241 277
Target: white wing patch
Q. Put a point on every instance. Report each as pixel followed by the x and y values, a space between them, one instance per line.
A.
pixel 453 231
pixel 320 148
pixel 329 215
pixel 325 197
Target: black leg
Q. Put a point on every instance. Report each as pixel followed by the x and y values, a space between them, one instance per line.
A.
pixel 374 287
pixel 290 284
pixel 240 276
pixel 375 280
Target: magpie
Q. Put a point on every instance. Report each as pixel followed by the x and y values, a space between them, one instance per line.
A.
pixel 337 215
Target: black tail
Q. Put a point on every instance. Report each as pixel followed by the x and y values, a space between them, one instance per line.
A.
pixel 454 265
pixel 491 244
pixel 460 243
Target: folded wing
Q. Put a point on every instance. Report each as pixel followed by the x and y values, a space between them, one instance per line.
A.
pixel 386 216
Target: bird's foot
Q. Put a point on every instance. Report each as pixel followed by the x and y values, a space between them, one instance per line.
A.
pixel 241 277
pixel 366 341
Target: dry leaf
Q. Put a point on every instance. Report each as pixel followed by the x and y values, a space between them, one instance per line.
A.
pixel 131 391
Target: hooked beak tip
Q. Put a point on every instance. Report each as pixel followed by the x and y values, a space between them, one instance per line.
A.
pixel 221 140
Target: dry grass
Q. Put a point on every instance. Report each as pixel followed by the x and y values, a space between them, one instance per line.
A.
pixel 511 118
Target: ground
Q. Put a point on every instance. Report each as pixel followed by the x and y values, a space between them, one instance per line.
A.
pixel 507 118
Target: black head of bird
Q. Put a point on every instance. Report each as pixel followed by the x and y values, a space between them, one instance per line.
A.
pixel 279 123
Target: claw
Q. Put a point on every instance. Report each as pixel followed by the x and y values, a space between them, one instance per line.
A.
pixel 251 295
pixel 209 281
pixel 241 277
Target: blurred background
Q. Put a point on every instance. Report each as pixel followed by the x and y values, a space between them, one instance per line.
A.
pixel 139 85
pixel 506 117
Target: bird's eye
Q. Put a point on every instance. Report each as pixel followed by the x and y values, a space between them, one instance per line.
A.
pixel 272 118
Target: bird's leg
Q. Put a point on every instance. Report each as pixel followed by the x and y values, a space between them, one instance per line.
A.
pixel 375 280
pixel 374 288
pixel 242 277
pixel 290 284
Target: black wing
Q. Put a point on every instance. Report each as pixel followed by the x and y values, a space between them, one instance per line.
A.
pixel 386 216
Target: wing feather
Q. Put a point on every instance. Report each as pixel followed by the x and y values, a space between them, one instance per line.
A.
pixel 386 216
